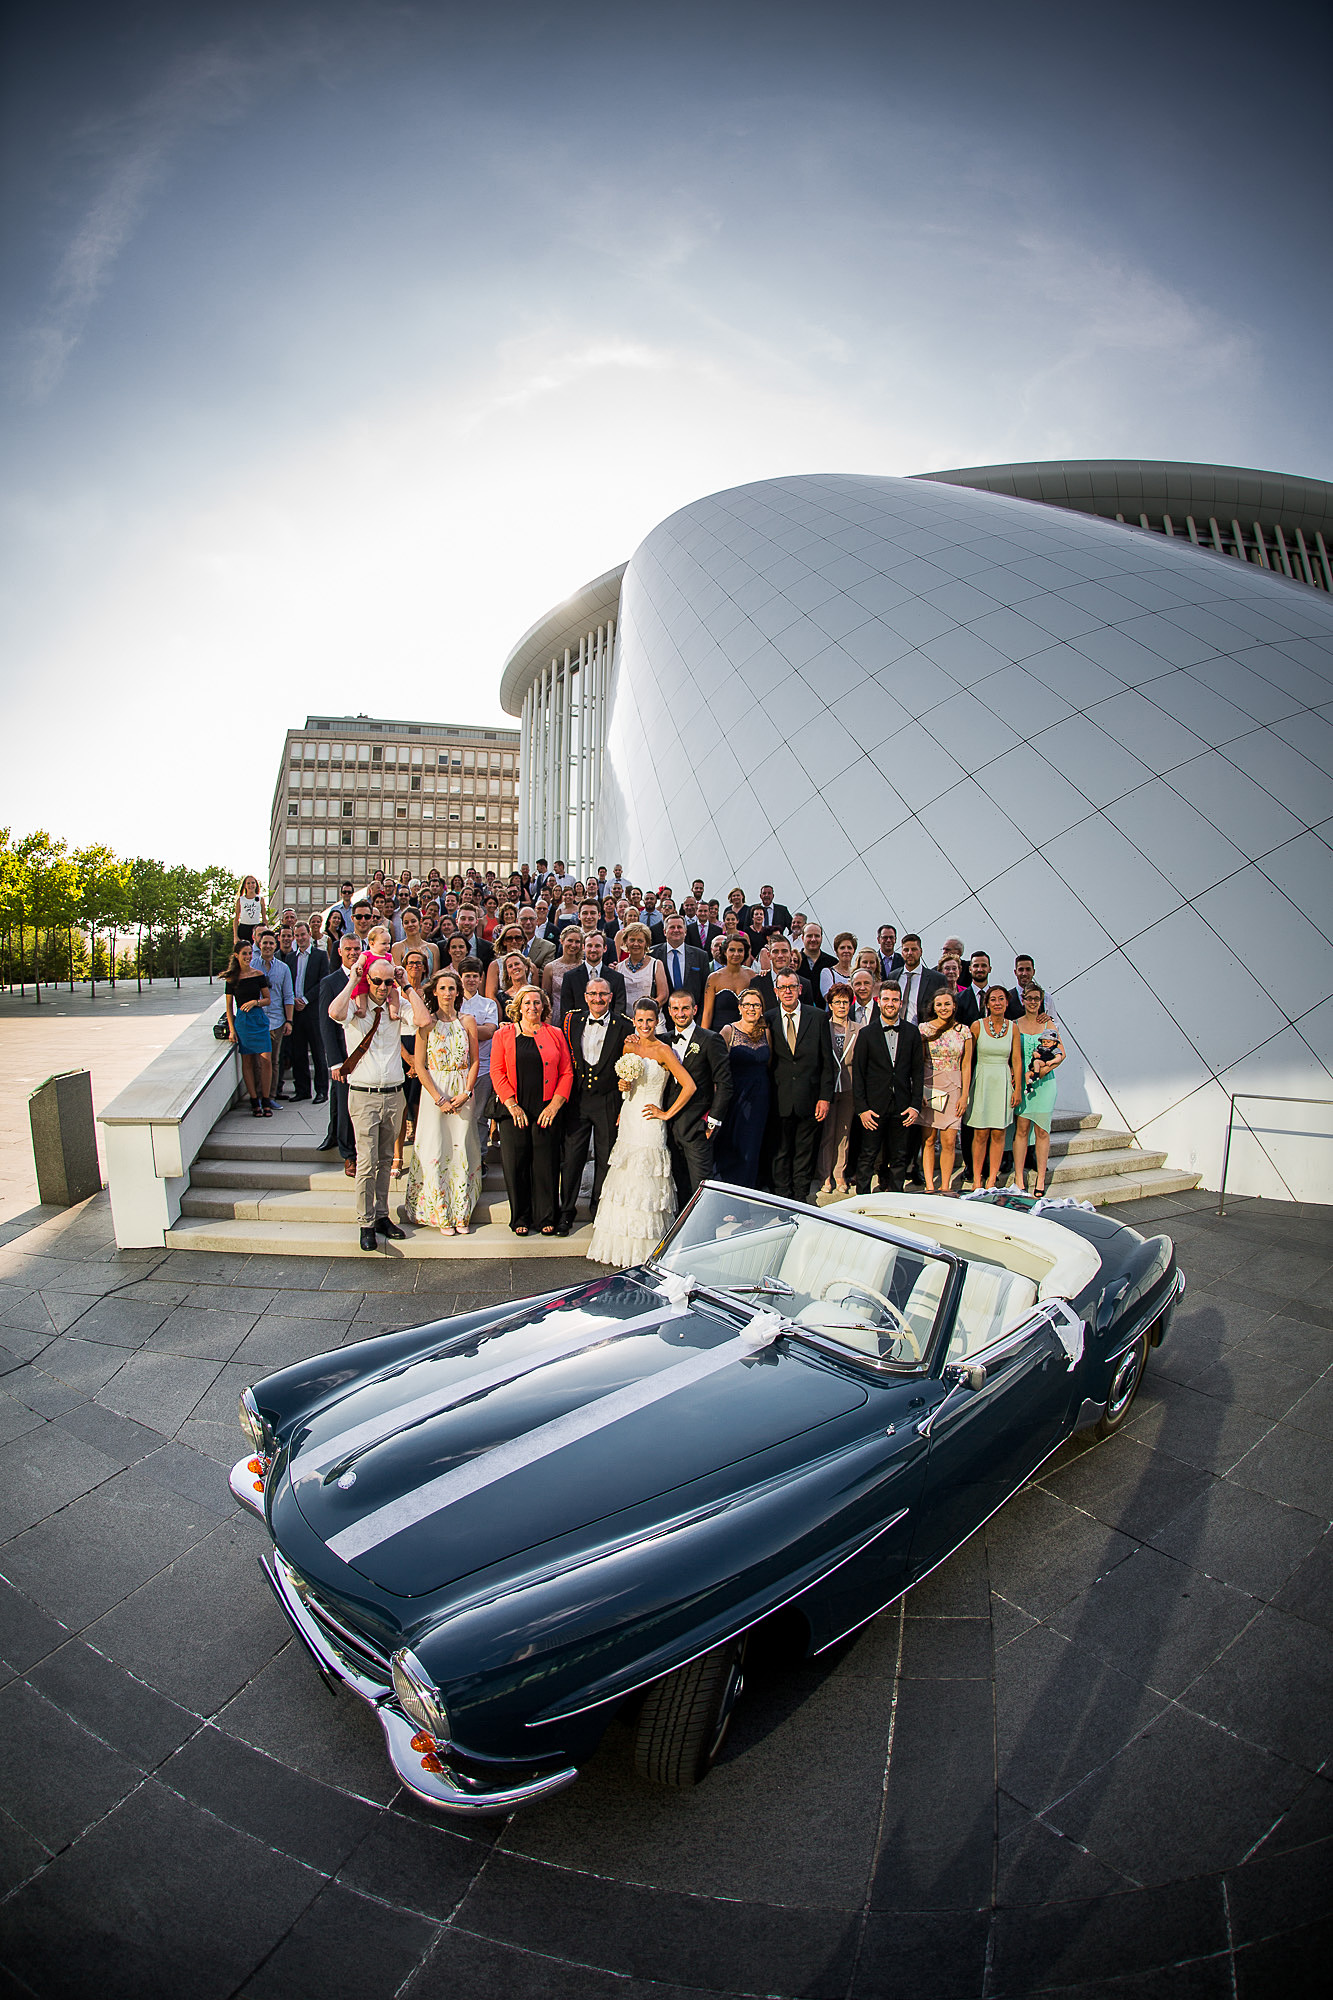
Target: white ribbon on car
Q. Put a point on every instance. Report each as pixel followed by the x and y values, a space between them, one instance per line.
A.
pixel 516 1453
pixel 388 1423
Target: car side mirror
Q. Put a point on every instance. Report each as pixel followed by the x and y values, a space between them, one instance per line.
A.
pixel 965 1375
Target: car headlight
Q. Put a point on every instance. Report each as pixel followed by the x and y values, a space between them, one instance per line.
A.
pixel 253 1424
pixel 421 1700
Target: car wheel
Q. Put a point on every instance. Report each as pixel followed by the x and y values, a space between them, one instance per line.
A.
pixel 684 1717
pixel 1125 1380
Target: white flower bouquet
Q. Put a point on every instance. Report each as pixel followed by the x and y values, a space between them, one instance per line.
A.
pixel 630 1069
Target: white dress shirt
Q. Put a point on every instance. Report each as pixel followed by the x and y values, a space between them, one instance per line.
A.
pixel 594 1039
pixel 910 989
pixel 382 1064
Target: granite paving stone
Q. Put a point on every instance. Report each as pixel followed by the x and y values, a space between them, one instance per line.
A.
pixel 1061 1713
pixel 1155 1619
pixel 80 1562
pixel 1183 1797
pixel 1274 1687
pixel 1121 1680
pixel 158 1389
pixel 43 1471
pixel 1290 1466
pixel 16 1418
pixel 346 1947
pixel 1294 1965
pixel 59 1778
pixel 169 1633
pixel 1240 1537
pixel 311 1822
pixel 42 1393
pixel 211 1907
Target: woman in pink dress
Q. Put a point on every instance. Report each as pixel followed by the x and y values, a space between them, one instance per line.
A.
pixel 948 1049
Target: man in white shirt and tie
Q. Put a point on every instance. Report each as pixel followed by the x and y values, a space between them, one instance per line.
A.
pixel 917 984
pixel 863 998
pixel 373 1072
pixel 707 1063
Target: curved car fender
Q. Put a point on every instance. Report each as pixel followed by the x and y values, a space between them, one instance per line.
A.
pixel 548 1650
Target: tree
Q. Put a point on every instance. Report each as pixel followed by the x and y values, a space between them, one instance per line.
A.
pixel 44 887
pixel 218 901
pixel 146 892
pixel 101 892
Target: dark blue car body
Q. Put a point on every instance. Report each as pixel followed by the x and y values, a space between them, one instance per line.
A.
pixel 547 1508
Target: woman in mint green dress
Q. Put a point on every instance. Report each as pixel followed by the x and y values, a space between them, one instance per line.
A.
pixel 1043 1053
pixel 997 1081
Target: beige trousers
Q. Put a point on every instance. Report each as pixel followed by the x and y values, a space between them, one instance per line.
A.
pixel 375 1116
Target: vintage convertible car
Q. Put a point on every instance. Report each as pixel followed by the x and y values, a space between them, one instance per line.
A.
pixel 500 1529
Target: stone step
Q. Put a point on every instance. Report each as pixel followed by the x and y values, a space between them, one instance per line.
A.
pixel 288 1176
pixel 1104 1190
pixel 1102 1139
pixel 335 1207
pixel 1076 1121
pixel 1125 1159
pixel 248 1238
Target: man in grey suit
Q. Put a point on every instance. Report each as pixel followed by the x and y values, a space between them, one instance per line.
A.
pixel 687 968
pixel 916 982
pixel 803 1079
pixel 538 950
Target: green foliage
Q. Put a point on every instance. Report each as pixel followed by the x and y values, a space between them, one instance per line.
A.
pixel 64 915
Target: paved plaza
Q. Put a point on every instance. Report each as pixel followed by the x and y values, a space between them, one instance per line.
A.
pixel 1088 1756
pixel 114 1036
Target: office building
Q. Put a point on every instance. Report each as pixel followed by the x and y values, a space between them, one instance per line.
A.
pixel 358 792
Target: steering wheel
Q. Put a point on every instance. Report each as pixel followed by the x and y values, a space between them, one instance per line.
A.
pixel 902 1330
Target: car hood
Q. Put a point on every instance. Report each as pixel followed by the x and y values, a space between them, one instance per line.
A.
pixel 560 1415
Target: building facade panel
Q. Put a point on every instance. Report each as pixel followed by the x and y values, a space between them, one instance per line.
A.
pixel 951 708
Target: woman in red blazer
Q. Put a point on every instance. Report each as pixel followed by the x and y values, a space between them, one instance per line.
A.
pixel 532 1075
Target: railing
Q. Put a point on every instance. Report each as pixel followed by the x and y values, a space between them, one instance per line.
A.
pixel 1257 1097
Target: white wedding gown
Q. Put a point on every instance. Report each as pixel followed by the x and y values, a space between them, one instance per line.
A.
pixel 638 1202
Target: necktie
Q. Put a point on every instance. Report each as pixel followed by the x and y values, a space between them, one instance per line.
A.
pixel 791 1033
pixel 675 968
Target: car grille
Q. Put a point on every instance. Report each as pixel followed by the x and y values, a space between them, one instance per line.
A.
pixel 344 1637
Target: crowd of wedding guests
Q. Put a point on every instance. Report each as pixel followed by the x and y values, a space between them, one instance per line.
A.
pixel 440 1016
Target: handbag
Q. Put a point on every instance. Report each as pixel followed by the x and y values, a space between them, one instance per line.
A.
pixel 221 1031
pixel 939 1100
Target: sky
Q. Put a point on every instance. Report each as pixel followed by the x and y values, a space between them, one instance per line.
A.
pixel 339 342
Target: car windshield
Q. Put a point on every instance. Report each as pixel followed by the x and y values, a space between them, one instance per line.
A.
pixel 878 1299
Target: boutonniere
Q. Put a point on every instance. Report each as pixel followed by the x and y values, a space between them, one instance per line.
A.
pixel 693 1049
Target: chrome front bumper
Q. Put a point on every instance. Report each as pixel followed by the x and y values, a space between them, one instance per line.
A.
pixel 448 1790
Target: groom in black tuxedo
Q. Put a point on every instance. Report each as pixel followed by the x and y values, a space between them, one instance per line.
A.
pixel 888 1071
pixel 596 1037
pixel 803 1079
pixel 707 1062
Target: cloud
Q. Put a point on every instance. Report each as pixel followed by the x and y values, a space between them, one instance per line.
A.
pixel 209 87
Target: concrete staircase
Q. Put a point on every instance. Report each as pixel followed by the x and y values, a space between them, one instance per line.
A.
pixel 1096 1163
pixel 263 1187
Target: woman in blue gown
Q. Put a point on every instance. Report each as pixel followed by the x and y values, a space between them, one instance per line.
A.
pixel 738 1145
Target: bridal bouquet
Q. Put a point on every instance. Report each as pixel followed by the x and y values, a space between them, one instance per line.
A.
pixel 630 1069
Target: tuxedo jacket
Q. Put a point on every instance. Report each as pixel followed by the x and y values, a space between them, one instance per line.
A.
pixel 762 984
pixel 802 1078
pixel 596 1079
pixel 575 984
pixel 335 1041
pixel 478 949
pixel 317 970
pixel 695 968
pixel 707 1062
pixel 882 1086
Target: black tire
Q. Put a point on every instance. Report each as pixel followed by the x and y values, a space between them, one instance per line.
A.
pixel 1125 1380
pixel 685 1717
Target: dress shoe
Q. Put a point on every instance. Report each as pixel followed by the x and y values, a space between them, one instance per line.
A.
pixel 563 1228
pixel 386 1228
pixel 369 1240
pixel 321 1097
pixel 349 1168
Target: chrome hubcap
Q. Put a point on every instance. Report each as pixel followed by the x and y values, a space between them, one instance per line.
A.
pixel 1126 1375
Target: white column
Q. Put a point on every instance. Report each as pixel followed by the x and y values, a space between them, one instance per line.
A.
pixel 1282 549
pixel 1324 562
pixel 543 751
pixel 1305 558
pixel 581 782
pixel 566 731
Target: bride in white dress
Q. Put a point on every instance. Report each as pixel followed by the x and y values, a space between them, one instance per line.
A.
pixel 638 1200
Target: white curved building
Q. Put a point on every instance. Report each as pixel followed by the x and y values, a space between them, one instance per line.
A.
pixel 1027 724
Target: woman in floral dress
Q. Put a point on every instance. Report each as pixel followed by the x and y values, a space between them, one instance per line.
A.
pixel 445 1181
pixel 948 1050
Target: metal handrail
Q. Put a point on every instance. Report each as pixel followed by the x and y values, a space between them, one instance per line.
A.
pixel 1258 1097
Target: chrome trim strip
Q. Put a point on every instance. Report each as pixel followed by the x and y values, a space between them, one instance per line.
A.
pixel 447 1789
pixel 242 1483
pixel 313 1637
